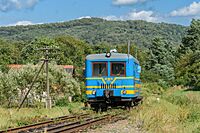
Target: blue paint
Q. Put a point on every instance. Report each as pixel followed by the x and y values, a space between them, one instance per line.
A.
pixel 125 83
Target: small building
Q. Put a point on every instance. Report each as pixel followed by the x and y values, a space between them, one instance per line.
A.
pixel 68 68
pixel 15 66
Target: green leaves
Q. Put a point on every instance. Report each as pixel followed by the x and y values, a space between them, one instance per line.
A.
pixel 9 52
pixel 192 40
pixel 98 31
pixel 14 84
pixel 188 69
pixel 161 59
pixel 188 65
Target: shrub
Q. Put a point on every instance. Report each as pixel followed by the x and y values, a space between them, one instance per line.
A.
pixel 181 100
pixel 61 102
pixel 15 84
pixel 152 88
pixel 149 76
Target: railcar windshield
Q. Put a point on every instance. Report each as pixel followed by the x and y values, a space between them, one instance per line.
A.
pixel 99 69
pixel 118 69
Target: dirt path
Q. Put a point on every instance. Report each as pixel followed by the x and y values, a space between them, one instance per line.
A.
pixel 123 126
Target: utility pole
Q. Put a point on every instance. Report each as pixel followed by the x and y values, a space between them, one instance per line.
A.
pixel 46 61
pixel 136 52
pixel 48 99
pixel 129 44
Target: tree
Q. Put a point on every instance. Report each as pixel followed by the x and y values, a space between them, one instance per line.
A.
pixel 138 53
pixel 161 59
pixel 9 52
pixel 15 83
pixel 96 31
pixel 188 64
pixel 31 53
pixel 191 42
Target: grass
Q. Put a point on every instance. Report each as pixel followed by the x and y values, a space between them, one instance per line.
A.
pixel 13 118
pixel 173 110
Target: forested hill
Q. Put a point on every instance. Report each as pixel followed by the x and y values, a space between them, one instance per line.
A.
pixel 96 30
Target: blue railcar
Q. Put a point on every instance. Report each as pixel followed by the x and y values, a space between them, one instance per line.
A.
pixel 112 79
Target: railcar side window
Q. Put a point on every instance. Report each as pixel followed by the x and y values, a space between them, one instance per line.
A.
pixel 139 69
pixel 99 69
pixel 118 69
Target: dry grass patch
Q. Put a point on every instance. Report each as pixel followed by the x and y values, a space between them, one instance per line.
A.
pixel 174 110
pixel 157 116
pixel 14 118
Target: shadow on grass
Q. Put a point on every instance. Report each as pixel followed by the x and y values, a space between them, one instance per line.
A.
pixel 193 89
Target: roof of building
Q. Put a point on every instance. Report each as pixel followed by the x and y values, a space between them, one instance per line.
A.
pixel 15 66
pixel 68 66
pixel 114 56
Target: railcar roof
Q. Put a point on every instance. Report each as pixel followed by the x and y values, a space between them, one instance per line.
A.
pixel 114 56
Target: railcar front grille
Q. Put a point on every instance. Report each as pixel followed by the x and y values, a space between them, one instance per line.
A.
pixel 108 86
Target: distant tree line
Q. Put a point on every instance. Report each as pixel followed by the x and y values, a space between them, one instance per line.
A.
pixel 97 31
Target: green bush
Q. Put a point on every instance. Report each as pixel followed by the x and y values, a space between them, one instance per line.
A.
pixel 197 130
pixel 181 100
pixel 152 88
pixel 61 102
pixel 164 84
pixel 15 83
pixel 77 98
pixel 149 76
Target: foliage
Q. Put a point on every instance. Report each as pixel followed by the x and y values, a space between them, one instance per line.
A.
pixel 155 46
pixel 173 110
pixel 15 83
pixel 188 69
pixel 161 59
pixel 192 39
pixel 148 76
pixel 65 50
pixel 9 52
pixel 188 64
pixel 152 89
pixel 98 31
pixel 139 53
pixel 62 102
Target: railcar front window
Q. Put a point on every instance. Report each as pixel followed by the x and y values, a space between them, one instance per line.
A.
pixel 99 69
pixel 118 69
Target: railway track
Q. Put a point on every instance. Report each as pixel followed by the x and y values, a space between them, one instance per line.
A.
pixel 84 124
pixel 39 126
pixel 67 124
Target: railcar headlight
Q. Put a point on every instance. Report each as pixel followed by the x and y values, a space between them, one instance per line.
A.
pixel 108 55
pixel 124 92
pixel 93 92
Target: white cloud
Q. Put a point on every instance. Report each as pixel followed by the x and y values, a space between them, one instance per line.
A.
pixel 84 17
pixel 191 10
pixel 136 15
pixel 127 2
pixel 112 17
pixel 22 23
pixel 7 5
pixel 143 15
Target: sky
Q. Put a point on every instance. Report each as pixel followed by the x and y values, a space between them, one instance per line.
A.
pixel 26 12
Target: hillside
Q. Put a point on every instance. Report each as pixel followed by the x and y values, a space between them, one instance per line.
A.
pixel 96 30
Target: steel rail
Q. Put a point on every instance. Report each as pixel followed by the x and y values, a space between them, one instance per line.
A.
pixel 42 124
pixel 82 124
